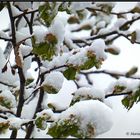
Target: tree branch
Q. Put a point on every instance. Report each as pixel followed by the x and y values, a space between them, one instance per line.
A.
pixel 20 71
pixel 118 94
pixel 38 108
pixel 25 13
pixel 6 39
pixel 6 84
pixel 113 74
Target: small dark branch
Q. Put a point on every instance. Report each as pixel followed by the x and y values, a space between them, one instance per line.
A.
pixel 77 85
pixel 55 68
pixel 25 13
pixel 95 37
pixel 102 35
pixel 59 111
pixel 20 71
pixel 3 117
pixel 31 23
pixel 6 39
pixel 113 74
pixel 21 97
pixel 37 59
pixel 7 111
pixel 6 30
pixel 6 84
pixel 88 79
pixel 30 122
pixel 130 22
pixel 112 13
pixel 126 36
pixel 33 93
pixel 12 24
pixel 30 54
pixel 38 108
pixel 118 94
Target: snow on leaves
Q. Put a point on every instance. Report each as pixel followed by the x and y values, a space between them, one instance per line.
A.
pixel 48 41
pixel 79 121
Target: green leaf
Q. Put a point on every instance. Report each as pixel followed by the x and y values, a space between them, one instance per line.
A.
pixel 91 62
pixel 65 128
pixel 132 71
pixel 44 50
pixel 47 12
pixel 65 7
pixel 50 89
pixel 125 102
pixel 28 81
pixel 129 100
pixel 71 126
pixel 70 73
pixel 118 88
pixel 41 123
pixel 5 102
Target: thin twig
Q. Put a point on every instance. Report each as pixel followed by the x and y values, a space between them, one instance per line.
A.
pixel 6 39
pixel 25 13
pixel 113 74
pixel 118 94
pixel 6 84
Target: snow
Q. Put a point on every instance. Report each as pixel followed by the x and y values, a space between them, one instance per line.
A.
pixel 16 122
pixel 24 32
pixel 87 92
pixel 57 28
pixel 79 58
pixel 119 22
pixel 47 113
pixel 98 46
pixel 40 33
pixel 130 85
pixel 54 79
pixel 112 4
pixel 23 5
pixel 62 100
pixel 29 109
pixel 15 11
pixel 101 24
pixel 8 97
pixel 3 35
pixel 25 50
pixel 101 118
pixel 59 60
pixel 79 6
pixel 21 36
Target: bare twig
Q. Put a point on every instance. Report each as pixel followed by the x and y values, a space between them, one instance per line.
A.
pixel 6 84
pixel 20 71
pixel 25 13
pixel 6 39
pixel 113 74
pixel 118 94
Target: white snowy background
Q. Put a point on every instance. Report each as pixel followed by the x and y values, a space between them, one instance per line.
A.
pixel 124 120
